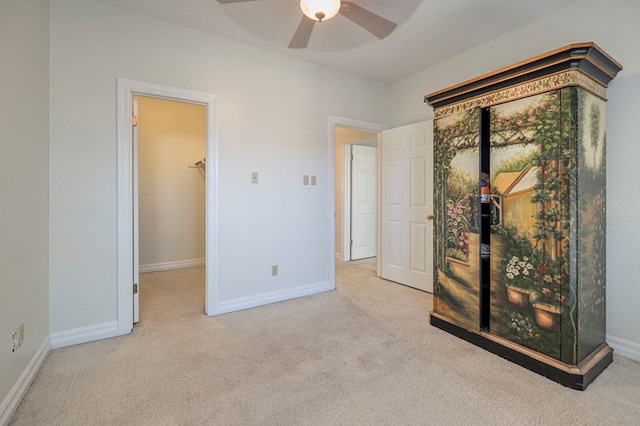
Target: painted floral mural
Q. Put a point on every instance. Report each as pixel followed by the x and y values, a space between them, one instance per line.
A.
pixel 539 156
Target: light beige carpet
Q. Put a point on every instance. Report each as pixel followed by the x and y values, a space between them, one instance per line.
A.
pixel 363 354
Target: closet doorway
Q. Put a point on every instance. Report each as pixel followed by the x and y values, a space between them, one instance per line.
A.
pixel 170 199
pixel 127 179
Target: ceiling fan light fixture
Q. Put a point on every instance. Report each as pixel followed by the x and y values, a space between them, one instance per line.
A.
pixel 320 10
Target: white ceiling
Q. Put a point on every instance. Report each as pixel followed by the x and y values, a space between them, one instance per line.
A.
pixel 428 32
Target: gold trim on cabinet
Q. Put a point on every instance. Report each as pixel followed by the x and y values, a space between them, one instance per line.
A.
pixel 530 88
pixel 581 368
pixel 487 76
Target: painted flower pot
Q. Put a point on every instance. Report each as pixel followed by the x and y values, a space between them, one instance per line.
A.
pixel 518 296
pixel 457 268
pixel 547 316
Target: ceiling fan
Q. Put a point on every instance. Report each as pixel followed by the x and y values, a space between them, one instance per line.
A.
pixel 321 10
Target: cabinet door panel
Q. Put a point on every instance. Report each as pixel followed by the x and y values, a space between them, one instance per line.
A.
pixel 457 245
pixel 529 265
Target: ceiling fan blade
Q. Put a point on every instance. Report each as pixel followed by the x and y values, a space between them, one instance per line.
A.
pixel 232 1
pixel 375 24
pixel 301 38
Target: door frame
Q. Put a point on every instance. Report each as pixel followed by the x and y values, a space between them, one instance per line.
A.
pixel 126 89
pixel 354 124
pixel 346 205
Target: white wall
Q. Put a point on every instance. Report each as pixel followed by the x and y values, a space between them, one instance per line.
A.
pixel 171 136
pixel 24 191
pixel 614 27
pixel 623 222
pixel 611 25
pixel 273 115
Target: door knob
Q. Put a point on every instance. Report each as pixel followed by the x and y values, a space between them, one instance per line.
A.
pixel 430 217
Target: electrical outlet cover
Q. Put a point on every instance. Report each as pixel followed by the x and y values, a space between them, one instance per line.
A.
pixel 20 334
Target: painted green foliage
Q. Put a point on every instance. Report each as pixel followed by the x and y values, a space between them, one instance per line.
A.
pixel 452 189
pixel 543 122
pixel 591 258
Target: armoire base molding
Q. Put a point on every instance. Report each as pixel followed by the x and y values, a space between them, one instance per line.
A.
pixel 575 377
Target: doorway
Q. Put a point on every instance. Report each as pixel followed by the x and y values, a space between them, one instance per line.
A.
pixel 127 168
pixel 341 131
pixel 356 193
pixel 169 194
pixel 405 185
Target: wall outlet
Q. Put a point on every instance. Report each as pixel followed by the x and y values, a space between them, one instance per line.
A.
pixel 274 270
pixel 20 334
pixel 17 338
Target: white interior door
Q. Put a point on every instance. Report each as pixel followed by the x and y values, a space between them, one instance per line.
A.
pixel 407 201
pixel 364 203
pixel 134 201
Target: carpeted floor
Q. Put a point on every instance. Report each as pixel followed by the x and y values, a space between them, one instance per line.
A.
pixel 363 354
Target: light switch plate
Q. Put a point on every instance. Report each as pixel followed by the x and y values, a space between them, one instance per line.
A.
pixel 254 177
pixel 305 180
pixel 313 179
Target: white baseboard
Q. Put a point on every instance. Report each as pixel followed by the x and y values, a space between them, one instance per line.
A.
pixel 168 266
pixel 624 347
pixel 87 334
pixel 11 402
pixel 272 297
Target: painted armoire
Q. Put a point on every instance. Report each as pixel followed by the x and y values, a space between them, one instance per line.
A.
pixel 519 212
